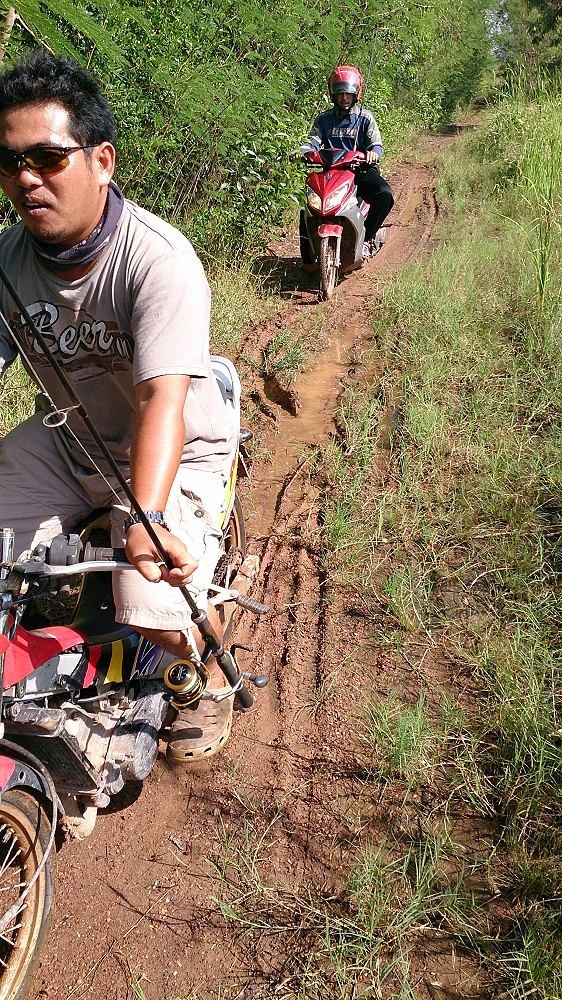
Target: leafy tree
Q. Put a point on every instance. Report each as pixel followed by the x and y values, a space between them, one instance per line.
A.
pixel 530 34
pixel 210 98
pixel 52 23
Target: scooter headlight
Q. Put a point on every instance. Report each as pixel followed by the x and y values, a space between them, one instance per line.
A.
pixel 336 197
pixel 314 201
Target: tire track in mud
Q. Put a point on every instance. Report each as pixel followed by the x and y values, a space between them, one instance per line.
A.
pixel 287 649
pixel 135 902
pixel 297 643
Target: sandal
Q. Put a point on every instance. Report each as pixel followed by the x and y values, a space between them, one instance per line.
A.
pixel 199 733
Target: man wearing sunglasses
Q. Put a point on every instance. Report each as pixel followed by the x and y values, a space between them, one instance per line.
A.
pixel 123 303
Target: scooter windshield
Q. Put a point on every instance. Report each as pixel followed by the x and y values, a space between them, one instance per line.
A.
pixel 330 157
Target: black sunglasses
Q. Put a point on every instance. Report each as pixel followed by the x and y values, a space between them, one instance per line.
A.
pixel 39 159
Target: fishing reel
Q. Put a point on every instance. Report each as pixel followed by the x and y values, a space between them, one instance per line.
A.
pixel 187 680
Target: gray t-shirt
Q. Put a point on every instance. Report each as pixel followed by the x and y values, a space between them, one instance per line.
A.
pixel 142 311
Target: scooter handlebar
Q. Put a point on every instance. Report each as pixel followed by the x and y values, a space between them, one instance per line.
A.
pixel 314 157
pixel 97 553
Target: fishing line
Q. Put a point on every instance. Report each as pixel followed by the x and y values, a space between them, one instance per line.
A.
pixel 57 409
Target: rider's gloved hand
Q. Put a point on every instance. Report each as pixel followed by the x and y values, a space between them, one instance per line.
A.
pixel 144 556
pixel 371 156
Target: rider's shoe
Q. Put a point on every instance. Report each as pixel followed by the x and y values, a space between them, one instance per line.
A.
pixel 370 248
pixel 367 250
pixel 199 733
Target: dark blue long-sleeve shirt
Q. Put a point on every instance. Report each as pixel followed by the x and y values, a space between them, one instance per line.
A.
pixel 354 129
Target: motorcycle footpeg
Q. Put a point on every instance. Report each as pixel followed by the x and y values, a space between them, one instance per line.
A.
pixel 258 680
pixel 250 604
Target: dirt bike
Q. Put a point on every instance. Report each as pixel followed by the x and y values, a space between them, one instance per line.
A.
pixel 84 704
pixel 334 214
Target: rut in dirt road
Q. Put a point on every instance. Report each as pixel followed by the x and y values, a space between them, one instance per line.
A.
pixel 295 643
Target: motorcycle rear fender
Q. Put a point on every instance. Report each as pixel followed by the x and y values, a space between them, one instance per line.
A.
pixel 330 229
pixel 229 384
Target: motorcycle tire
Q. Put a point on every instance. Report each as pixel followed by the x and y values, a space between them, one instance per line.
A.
pixel 329 269
pixel 231 560
pixel 24 834
pixel 235 534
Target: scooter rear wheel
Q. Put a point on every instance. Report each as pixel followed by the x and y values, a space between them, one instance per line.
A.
pixel 24 833
pixel 328 255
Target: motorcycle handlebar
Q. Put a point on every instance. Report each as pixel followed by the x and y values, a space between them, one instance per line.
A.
pixel 94 559
pixel 96 553
pixel 96 565
pixel 359 159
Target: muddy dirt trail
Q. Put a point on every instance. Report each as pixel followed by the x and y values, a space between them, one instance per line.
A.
pixel 136 901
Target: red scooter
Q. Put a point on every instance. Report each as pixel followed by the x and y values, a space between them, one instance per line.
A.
pixel 334 214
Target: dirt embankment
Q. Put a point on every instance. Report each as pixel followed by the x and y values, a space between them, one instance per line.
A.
pixel 135 901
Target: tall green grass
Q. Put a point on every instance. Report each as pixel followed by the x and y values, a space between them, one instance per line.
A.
pixel 360 942
pixel 18 394
pixel 236 298
pixel 458 549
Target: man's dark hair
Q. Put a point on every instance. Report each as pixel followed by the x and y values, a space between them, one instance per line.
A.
pixel 41 77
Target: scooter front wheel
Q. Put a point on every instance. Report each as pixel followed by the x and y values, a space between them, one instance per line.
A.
pixel 328 256
pixel 24 835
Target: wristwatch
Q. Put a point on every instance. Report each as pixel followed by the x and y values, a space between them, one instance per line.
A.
pixel 154 516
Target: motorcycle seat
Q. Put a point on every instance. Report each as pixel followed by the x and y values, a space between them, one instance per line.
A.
pixel 95 612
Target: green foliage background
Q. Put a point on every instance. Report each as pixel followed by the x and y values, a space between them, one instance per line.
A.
pixel 529 36
pixel 211 96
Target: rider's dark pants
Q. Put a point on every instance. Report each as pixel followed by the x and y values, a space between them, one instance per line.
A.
pixel 306 255
pixel 373 189
pixel 377 192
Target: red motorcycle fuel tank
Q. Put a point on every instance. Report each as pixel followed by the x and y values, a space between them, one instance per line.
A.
pixel 110 662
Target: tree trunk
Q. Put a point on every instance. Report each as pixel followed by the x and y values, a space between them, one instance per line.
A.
pixel 7 31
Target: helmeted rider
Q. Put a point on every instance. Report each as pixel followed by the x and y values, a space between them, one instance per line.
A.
pixel 348 125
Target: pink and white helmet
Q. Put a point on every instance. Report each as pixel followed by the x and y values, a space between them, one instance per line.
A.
pixel 346 80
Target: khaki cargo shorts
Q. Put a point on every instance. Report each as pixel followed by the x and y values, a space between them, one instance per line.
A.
pixel 43 493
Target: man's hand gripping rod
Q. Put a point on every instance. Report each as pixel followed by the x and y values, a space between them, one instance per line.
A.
pixel 224 659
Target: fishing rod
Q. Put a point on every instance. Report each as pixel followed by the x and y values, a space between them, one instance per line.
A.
pixel 224 659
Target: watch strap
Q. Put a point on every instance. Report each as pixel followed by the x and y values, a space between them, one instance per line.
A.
pixel 154 516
